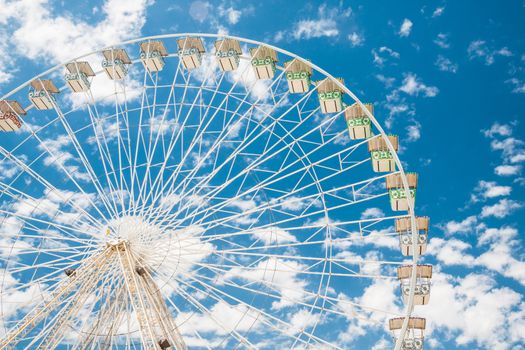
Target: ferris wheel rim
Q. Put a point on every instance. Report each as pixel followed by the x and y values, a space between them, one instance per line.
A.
pixel 401 171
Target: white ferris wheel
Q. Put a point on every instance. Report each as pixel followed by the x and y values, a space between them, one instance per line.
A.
pixel 206 192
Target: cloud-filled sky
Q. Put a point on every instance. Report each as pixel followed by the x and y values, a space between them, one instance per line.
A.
pixel 447 77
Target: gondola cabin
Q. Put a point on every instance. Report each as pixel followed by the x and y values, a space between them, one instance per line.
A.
pixel 77 76
pixel 404 229
pixel 298 76
pixel 263 62
pixel 41 94
pixel 381 156
pixel 10 112
pixel 422 289
pixel 152 55
pixel 115 63
pixel 228 52
pixel 396 190
pixel 358 122
pixel 414 335
pixel 330 95
pixel 190 52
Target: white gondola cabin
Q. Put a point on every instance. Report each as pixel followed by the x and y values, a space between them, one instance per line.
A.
pixel 414 335
pixel 396 191
pixel 422 289
pixel 152 55
pixel 10 112
pixel 358 122
pixel 228 52
pixel 190 52
pixel 330 95
pixel 41 94
pixel 404 229
pixel 298 76
pixel 263 62
pixel 382 158
pixel 77 76
pixel 115 63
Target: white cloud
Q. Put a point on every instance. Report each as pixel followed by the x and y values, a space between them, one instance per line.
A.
pixel 199 10
pixel 279 274
pixel 382 55
pixel 459 307
pixel 438 11
pixel 325 25
pixel 489 189
pixel 446 65
pixel 372 213
pixel 507 170
pixel 503 208
pixel 413 132
pixel 59 156
pixel 274 235
pixel 222 319
pixel 498 129
pixel 519 86
pixel 232 15
pixel 442 41
pixel 413 86
pixel 480 49
pixel 465 226
pixel 356 39
pixel 40 34
pixel 406 28
pixel 451 251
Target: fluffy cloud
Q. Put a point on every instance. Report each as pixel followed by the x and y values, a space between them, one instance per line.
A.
pixel 446 65
pixel 490 189
pixel 413 86
pixel 503 208
pixel 465 226
pixel 382 55
pixel 356 39
pixel 442 41
pixel 325 25
pixel 507 170
pixel 480 49
pixel 474 311
pixel 438 11
pixel 278 274
pixel 406 28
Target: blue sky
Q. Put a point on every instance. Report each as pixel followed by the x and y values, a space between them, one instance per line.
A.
pixel 448 77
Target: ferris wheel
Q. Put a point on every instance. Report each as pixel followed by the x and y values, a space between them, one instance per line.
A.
pixel 207 192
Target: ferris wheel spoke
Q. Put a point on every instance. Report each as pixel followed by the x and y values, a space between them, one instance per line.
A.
pixel 150 151
pixel 139 142
pixel 224 133
pixel 199 135
pixel 28 169
pixel 97 124
pixel 252 139
pixel 155 189
pixel 362 226
pixel 264 156
pixel 279 291
pixel 81 155
pixel 266 318
pixel 101 140
pixel 266 206
pixel 87 337
pixel 55 330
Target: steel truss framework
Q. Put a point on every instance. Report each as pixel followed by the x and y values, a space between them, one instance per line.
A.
pixel 196 207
